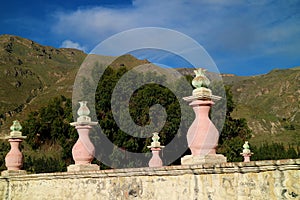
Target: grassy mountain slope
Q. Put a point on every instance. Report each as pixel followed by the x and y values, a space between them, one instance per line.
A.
pixel 29 70
pixel 270 103
pixel 31 74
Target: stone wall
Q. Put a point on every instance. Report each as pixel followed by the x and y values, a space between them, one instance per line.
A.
pixel 255 180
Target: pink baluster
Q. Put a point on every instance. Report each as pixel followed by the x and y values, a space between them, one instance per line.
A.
pixel 14 158
pixel 155 161
pixel 155 147
pixel 202 136
pixel 83 151
pixel 246 152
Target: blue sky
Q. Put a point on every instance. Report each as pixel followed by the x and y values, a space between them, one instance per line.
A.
pixel 242 37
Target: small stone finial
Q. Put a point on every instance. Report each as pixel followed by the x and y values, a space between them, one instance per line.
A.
pixel 155 143
pixel 155 147
pixel 201 91
pixel 246 148
pixel 83 118
pixel 15 131
pixel 16 126
pixel 200 80
pixel 83 112
pixel 201 83
pixel 246 152
pixel 83 109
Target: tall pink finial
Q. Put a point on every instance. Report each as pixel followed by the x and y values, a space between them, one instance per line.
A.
pixel 83 151
pixel 202 136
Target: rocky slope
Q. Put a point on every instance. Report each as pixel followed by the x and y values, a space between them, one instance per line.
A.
pixel 31 74
pixel 270 103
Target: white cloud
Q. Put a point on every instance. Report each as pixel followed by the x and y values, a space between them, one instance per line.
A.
pixel 71 44
pixel 98 23
pixel 230 27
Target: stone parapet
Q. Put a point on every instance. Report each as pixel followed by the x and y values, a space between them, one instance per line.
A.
pixel 252 180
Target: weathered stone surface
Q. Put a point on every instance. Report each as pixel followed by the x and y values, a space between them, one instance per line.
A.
pixel 3 188
pixel 203 159
pixel 13 172
pixel 238 181
pixel 78 168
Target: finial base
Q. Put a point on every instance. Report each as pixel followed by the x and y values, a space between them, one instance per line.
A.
pixel 202 91
pixel 83 123
pixel 80 168
pixel 6 173
pixel 203 159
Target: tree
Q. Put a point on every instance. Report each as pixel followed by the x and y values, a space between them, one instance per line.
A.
pixel 274 151
pixel 49 126
pixel 5 147
pixel 234 133
pixel 140 102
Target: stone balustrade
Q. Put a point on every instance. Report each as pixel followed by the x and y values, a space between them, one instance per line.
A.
pixel 251 180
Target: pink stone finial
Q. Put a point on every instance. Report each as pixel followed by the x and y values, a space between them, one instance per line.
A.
pixel 202 136
pixel 83 151
pixel 246 152
pixel 14 158
pixel 155 147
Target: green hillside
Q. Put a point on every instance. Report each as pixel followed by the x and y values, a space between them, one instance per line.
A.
pixel 270 103
pixel 31 74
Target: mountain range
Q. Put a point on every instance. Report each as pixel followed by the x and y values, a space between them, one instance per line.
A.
pixel 31 74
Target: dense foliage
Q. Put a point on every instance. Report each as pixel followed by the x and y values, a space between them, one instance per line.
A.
pixel 4 145
pixel 274 151
pixel 139 106
pixel 50 137
pixel 235 132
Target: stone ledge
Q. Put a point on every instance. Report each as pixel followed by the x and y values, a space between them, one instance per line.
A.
pixel 176 170
pixel 206 159
pixel 81 168
pixel 7 173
